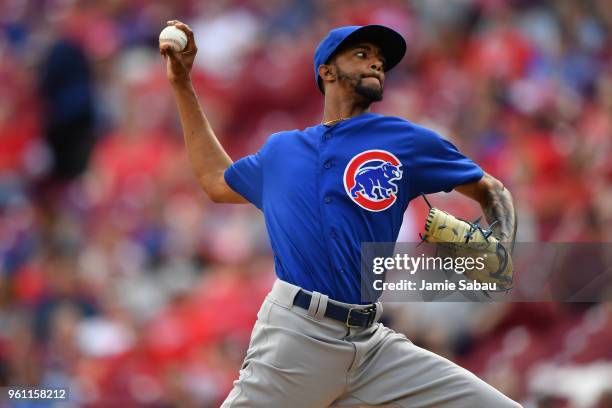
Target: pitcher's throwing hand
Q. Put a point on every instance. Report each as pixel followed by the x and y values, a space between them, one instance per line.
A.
pixel 178 64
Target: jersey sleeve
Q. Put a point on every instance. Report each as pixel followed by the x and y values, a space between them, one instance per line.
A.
pixel 245 177
pixel 438 165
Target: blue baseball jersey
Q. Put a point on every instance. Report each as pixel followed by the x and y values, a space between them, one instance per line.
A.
pixel 326 189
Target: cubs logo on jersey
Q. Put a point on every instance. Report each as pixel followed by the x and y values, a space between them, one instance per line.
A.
pixel 370 179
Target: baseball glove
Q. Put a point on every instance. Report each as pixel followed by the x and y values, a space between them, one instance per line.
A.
pixel 459 238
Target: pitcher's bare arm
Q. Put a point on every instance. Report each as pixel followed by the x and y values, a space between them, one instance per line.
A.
pixel 207 157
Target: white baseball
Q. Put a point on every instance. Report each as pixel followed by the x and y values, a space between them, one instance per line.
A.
pixel 173 36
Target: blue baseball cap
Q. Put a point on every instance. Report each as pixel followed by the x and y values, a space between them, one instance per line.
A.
pixel 391 43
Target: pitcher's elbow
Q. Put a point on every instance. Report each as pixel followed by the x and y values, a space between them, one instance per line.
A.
pixel 215 197
pixel 215 192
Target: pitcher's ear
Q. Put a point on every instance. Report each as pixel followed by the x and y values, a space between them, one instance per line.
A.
pixel 327 72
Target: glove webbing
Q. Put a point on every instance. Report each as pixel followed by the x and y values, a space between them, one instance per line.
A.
pixel 474 225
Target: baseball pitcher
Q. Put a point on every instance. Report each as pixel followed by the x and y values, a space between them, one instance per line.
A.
pixel 323 191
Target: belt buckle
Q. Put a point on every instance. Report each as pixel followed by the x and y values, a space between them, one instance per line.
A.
pixel 348 317
pixel 370 311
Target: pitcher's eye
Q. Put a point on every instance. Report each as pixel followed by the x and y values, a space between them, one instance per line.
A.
pixel 361 54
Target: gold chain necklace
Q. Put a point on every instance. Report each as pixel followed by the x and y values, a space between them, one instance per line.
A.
pixel 333 122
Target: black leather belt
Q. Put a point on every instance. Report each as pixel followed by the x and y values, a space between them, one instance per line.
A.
pixel 351 317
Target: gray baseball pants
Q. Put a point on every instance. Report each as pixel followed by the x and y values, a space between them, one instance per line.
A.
pixel 299 358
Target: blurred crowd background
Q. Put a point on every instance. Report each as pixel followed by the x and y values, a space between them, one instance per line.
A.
pixel 121 280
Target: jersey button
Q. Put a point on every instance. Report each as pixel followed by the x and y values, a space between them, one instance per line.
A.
pixel 328 136
pixel 327 165
pixel 327 199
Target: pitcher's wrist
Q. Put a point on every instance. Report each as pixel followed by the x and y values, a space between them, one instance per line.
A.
pixel 181 83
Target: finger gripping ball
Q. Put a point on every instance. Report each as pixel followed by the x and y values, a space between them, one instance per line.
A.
pixel 175 37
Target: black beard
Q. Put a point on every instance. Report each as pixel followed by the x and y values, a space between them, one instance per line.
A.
pixel 371 94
